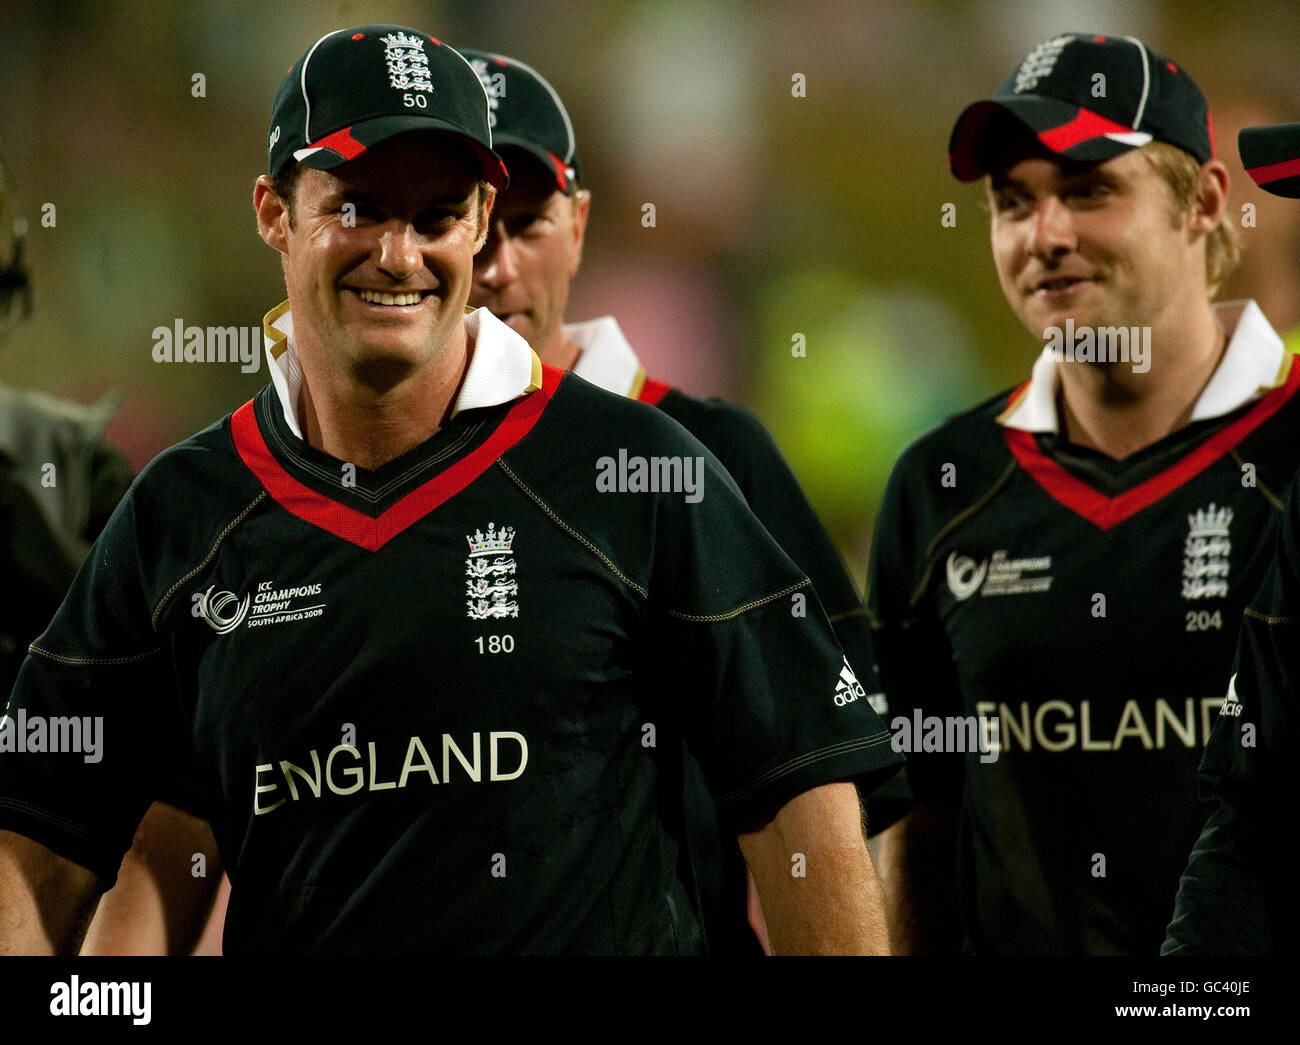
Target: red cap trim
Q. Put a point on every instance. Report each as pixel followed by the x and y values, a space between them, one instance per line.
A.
pixel 1274 171
pixel 341 142
pixel 560 168
pixel 1084 127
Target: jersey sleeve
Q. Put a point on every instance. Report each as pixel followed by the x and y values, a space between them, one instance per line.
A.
pixel 1234 896
pixel 90 737
pixel 913 654
pixel 747 450
pixel 769 703
pixel 749 453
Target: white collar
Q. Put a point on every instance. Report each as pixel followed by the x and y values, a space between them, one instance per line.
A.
pixel 1254 363
pixel 501 365
pixel 607 360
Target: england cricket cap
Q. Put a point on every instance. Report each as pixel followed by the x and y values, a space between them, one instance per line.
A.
pixel 1271 156
pixel 525 111
pixel 356 87
pixel 1088 98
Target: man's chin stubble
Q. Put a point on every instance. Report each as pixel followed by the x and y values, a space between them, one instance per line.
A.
pixel 382 374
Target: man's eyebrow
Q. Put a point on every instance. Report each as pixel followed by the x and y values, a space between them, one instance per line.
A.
pixel 1072 173
pixel 360 196
pixel 1082 173
pixel 336 198
pixel 999 182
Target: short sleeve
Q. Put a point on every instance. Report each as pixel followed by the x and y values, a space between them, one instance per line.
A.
pixel 90 735
pixel 768 701
pixel 747 450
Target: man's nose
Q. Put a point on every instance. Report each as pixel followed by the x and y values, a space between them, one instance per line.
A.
pixel 399 251
pixel 496 263
pixel 1053 229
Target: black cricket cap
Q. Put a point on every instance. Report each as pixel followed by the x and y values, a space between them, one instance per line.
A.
pixel 356 87
pixel 525 111
pixel 1140 97
pixel 1271 156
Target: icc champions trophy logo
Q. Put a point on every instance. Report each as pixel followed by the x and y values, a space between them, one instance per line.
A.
pixel 217 610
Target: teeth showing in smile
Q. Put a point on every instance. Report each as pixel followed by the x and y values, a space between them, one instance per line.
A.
pixel 377 298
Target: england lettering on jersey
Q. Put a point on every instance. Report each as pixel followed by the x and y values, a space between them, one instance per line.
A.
pixel 507 759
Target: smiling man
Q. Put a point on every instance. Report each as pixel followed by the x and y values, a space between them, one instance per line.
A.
pixel 1069 561
pixel 426 679
pixel 375 255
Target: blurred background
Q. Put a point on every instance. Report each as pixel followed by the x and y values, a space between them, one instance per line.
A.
pixel 776 215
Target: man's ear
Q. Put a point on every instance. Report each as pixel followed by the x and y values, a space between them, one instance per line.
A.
pixel 485 217
pixel 272 214
pixel 581 207
pixel 1211 196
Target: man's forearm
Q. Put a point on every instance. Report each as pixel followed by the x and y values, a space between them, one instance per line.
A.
pixel 918 870
pixel 160 903
pixel 46 902
pixel 819 891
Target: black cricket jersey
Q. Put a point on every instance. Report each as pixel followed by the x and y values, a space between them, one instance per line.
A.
pixel 1055 631
pixel 1237 894
pixel 751 457
pixel 439 707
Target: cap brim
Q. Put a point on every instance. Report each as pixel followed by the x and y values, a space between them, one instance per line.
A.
pixel 347 144
pixel 563 173
pixel 1271 156
pixel 1062 128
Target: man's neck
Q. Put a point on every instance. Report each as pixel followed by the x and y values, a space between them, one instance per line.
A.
pixel 1117 411
pixel 558 351
pixel 366 426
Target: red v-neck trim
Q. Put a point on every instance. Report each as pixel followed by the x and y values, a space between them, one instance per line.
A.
pixel 357 527
pixel 652 392
pixel 1105 512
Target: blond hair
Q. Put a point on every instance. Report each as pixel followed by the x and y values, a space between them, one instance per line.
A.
pixel 1181 171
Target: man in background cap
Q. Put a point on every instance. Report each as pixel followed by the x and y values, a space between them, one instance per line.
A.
pixel 425 680
pixel 1237 895
pixel 59 482
pixel 522 276
pixel 1058 574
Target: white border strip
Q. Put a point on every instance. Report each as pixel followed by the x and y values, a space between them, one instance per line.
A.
pixel 1146 79
pixel 302 80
